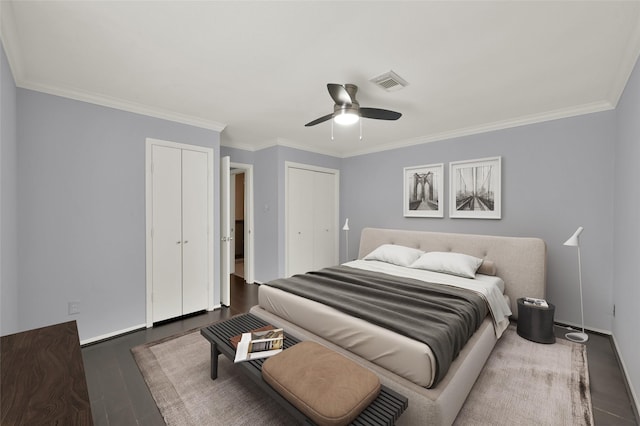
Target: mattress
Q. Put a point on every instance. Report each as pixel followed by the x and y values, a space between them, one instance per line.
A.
pixel 402 355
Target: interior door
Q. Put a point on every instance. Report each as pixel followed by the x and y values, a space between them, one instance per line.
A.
pixel 166 233
pixel 195 241
pixel 225 231
pixel 324 218
pixel 300 200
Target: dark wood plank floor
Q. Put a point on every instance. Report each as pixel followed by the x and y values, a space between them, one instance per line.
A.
pixel 119 395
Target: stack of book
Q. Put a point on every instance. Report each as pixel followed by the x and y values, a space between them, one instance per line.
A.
pixel 540 303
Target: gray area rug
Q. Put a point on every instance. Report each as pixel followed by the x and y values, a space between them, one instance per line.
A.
pixel 523 383
pixel 527 383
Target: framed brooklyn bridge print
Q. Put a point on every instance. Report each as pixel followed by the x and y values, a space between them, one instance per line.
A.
pixel 475 188
pixel 424 191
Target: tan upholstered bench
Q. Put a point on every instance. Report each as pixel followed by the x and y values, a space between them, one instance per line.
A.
pixel 327 387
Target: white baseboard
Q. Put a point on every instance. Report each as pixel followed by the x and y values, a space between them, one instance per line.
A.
pixel 112 334
pixel 634 397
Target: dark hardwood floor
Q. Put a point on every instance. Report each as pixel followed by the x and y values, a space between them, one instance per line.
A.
pixel 119 395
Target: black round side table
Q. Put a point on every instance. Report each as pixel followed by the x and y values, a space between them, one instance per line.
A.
pixel 535 323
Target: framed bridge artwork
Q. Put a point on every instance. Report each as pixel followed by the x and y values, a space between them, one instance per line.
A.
pixel 424 191
pixel 475 188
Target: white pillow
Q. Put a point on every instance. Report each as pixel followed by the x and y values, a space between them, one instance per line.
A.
pixel 395 254
pixel 449 263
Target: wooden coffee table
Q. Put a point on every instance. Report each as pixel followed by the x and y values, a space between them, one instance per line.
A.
pixel 384 410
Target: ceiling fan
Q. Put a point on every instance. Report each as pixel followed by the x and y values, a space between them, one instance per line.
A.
pixel 347 110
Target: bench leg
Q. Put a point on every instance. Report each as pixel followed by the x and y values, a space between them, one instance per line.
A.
pixel 214 361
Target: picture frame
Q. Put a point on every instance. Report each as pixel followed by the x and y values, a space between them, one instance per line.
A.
pixel 475 188
pixel 424 191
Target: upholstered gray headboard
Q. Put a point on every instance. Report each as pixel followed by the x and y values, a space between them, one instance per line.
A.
pixel 520 262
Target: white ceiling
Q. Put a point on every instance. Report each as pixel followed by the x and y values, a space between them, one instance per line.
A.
pixel 259 69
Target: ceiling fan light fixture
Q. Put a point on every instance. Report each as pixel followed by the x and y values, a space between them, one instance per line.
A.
pixel 346 117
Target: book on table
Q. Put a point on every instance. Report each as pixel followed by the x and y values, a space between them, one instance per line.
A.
pixel 259 344
pixel 541 303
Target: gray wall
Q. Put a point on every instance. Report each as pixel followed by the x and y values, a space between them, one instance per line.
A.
pixel 265 220
pixel 8 201
pixel 626 288
pixel 269 201
pixel 81 228
pixel 556 176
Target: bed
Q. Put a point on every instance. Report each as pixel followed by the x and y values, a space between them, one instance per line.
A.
pixel 404 362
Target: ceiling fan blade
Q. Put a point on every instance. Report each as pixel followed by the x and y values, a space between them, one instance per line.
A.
pixel 339 94
pixel 319 120
pixel 379 114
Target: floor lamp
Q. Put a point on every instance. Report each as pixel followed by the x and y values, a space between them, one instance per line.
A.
pixel 574 241
pixel 345 228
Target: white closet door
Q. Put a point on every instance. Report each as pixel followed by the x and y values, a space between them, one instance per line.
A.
pixel 195 244
pixel 324 232
pixel 167 233
pixel 300 199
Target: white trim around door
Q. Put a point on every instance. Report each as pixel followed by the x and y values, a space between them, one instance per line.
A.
pixel 149 143
pixel 247 169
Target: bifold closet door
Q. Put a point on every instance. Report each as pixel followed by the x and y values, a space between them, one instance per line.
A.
pixel 324 231
pixel 311 220
pixel 180 232
pixel 194 231
pixel 167 233
pixel 300 220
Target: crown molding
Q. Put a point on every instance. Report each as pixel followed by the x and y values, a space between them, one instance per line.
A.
pixel 292 144
pixel 236 145
pixel 467 131
pixel 10 43
pixel 123 105
pixel 281 142
pixel 498 125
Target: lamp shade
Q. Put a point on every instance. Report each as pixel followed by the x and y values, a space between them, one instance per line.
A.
pixel 574 241
pixel 346 225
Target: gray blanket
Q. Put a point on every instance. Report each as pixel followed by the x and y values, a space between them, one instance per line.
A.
pixel 441 316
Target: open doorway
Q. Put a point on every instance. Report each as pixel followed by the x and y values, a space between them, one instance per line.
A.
pixel 238 190
pixel 241 221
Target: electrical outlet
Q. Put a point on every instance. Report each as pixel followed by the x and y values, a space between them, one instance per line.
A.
pixel 74 308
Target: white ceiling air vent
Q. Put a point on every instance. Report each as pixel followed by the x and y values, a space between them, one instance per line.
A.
pixel 389 81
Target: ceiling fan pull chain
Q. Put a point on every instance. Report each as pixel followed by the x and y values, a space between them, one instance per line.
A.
pixel 331 129
pixel 360 129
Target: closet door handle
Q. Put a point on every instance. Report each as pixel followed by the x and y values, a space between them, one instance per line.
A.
pixel 186 241
pixel 178 242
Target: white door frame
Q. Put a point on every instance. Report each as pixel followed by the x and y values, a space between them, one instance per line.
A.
pixel 149 142
pixel 248 220
pixel 288 165
pixel 225 231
